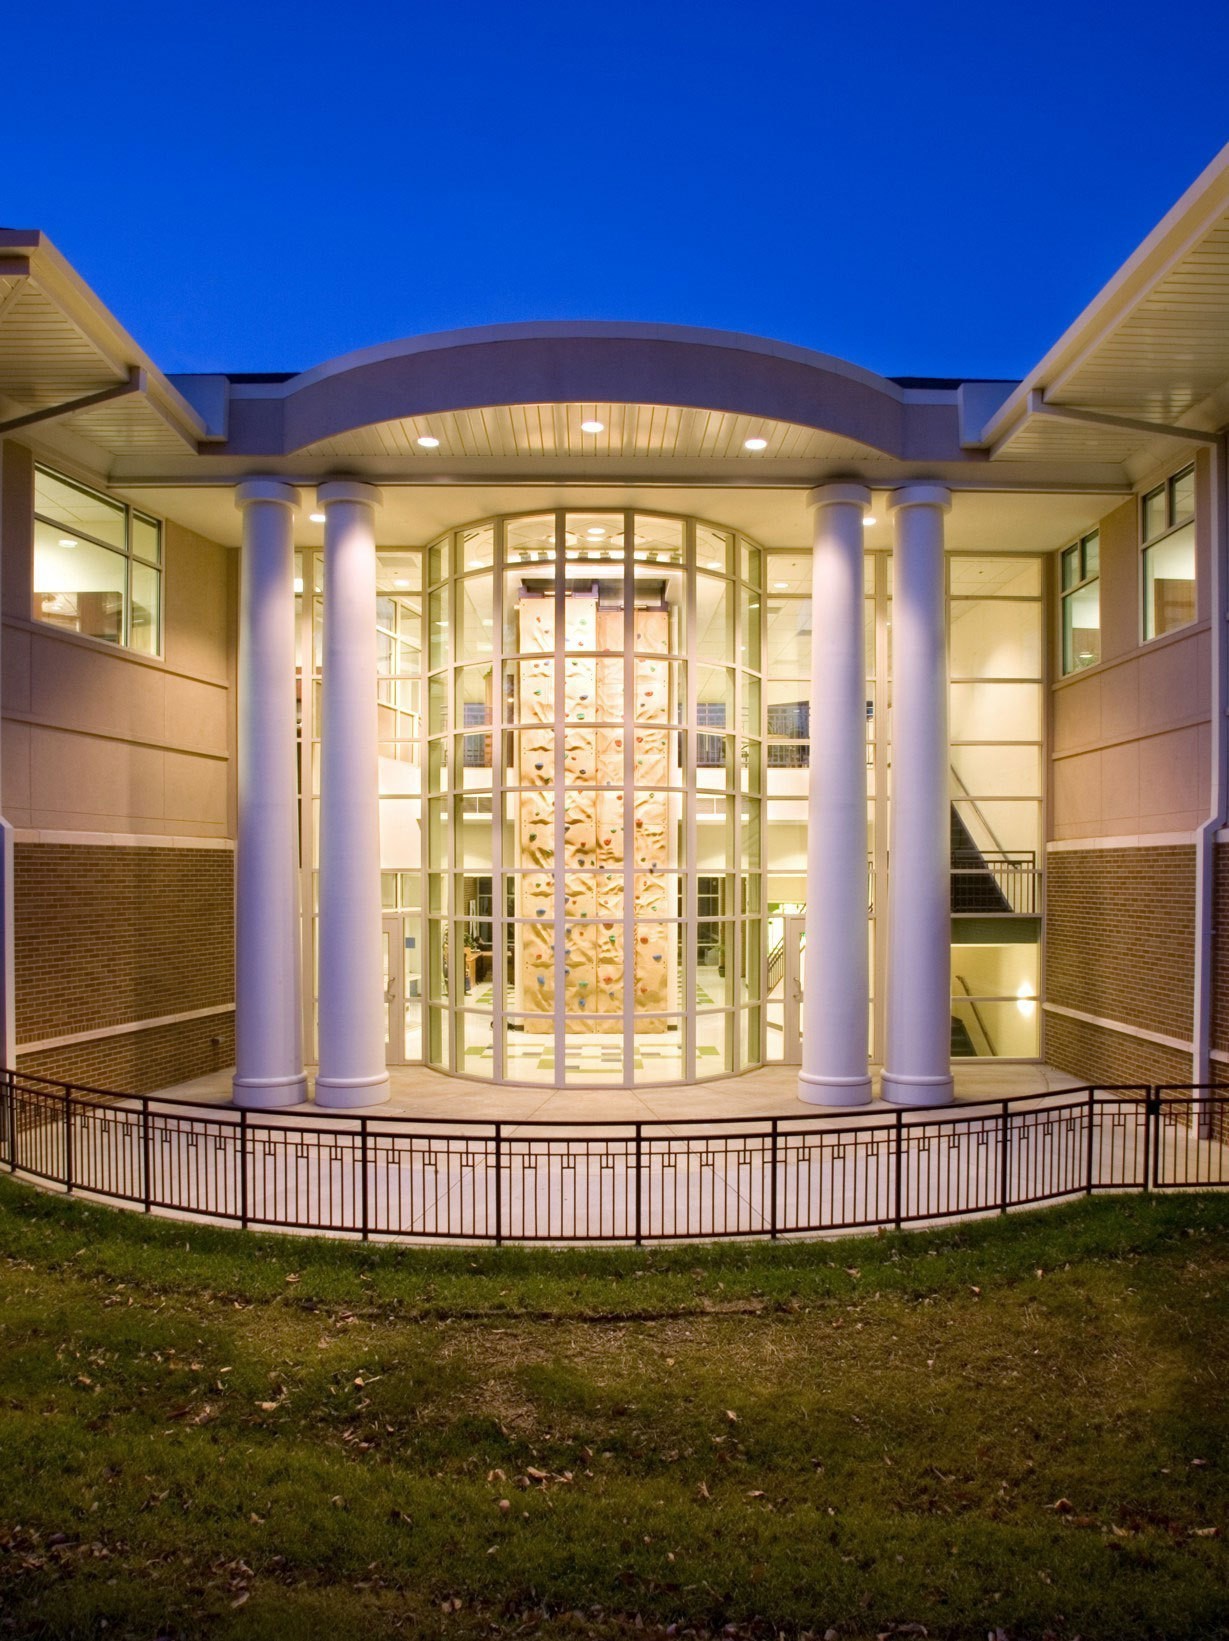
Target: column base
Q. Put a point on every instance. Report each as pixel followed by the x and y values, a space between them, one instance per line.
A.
pixel 347 1093
pixel 897 1089
pixel 834 1091
pixel 268 1093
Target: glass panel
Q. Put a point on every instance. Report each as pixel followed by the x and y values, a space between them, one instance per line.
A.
pixel 530 756
pixel 995 712
pixel 475 618
pixel 1156 512
pixel 1004 1030
pixel 659 540
pixel 996 828
pixel 1092 554
pixel 475 705
pixel 530 540
pixel 787 638
pixel 713 549
pixel 995 638
pixel 973 577
pixel 1082 628
pixel 1169 582
pixel 659 1050
pixel 147 538
pixel 145 618
pixel 438 560
pixel 1071 566
pixel 750 558
pixel 78 586
pixel 997 771
pixel 1182 495
pixel 714 620
pixel 529 1050
pixel 78 510
pixel 437 616
pixel 475 547
pixel 750 647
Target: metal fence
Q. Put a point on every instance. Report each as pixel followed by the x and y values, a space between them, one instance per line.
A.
pixel 526 1181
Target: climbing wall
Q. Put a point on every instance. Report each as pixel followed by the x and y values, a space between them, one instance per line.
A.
pixel 595 828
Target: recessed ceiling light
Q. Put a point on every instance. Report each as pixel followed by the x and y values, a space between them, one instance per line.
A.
pixel 713 564
pixel 429 442
pixel 869 518
pixel 781 586
pixel 595 534
pixel 755 444
pixel 401 582
pixel 67 541
pixel 316 518
pixel 298 584
pixel 593 427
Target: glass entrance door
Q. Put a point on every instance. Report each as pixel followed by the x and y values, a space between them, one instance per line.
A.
pixel 394 992
pixel 793 983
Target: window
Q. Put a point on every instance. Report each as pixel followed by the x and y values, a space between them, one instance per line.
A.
pixel 1081 565
pixel 1168 533
pixel 97 565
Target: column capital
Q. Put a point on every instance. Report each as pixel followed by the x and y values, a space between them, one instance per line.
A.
pixel 839 495
pixel 920 495
pixel 347 490
pixel 266 490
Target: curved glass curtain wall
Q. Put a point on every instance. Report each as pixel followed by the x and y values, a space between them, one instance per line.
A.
pixel 593 779
pixel 707 663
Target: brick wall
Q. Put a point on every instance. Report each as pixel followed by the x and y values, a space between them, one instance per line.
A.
pixel 1096 1055
pixel 1120 935
pixel 1220 953
pixel 1120 943
pixel 139 1062
pixel 110 935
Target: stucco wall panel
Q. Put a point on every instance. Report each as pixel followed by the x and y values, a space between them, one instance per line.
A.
pixel 1169 788
pixel 73 686
pixel 78 780
pixel 1077 793
pixel 195 793
pixel 1077 714
pixel 197 715
pixel 1120 710
pixel 1168 684
pixel 1120 797
pixel 15 795
pixel 199 605
pixel 15 682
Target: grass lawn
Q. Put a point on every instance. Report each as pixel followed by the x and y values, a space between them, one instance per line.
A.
pixel 1015 1425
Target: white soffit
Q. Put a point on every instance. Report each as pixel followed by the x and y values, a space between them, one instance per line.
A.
pixel 1153 345
pixel 630 432
pixel 59 344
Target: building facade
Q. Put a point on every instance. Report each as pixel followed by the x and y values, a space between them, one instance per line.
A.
pixel 585 705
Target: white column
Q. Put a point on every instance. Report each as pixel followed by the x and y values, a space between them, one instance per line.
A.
pixel 351 1008
pixel 268 1017
pixel 836 1000
pixel 917 1060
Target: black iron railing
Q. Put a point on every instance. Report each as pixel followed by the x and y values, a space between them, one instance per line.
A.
pixel 411 1179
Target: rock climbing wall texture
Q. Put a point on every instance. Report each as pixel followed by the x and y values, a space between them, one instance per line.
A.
pixel 582 827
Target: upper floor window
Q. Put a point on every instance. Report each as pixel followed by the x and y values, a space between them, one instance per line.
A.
pixel 1168 535
pixel 97 565
pixel 1081 566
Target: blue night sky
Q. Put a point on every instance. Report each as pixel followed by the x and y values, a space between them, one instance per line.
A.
pixel 924 189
